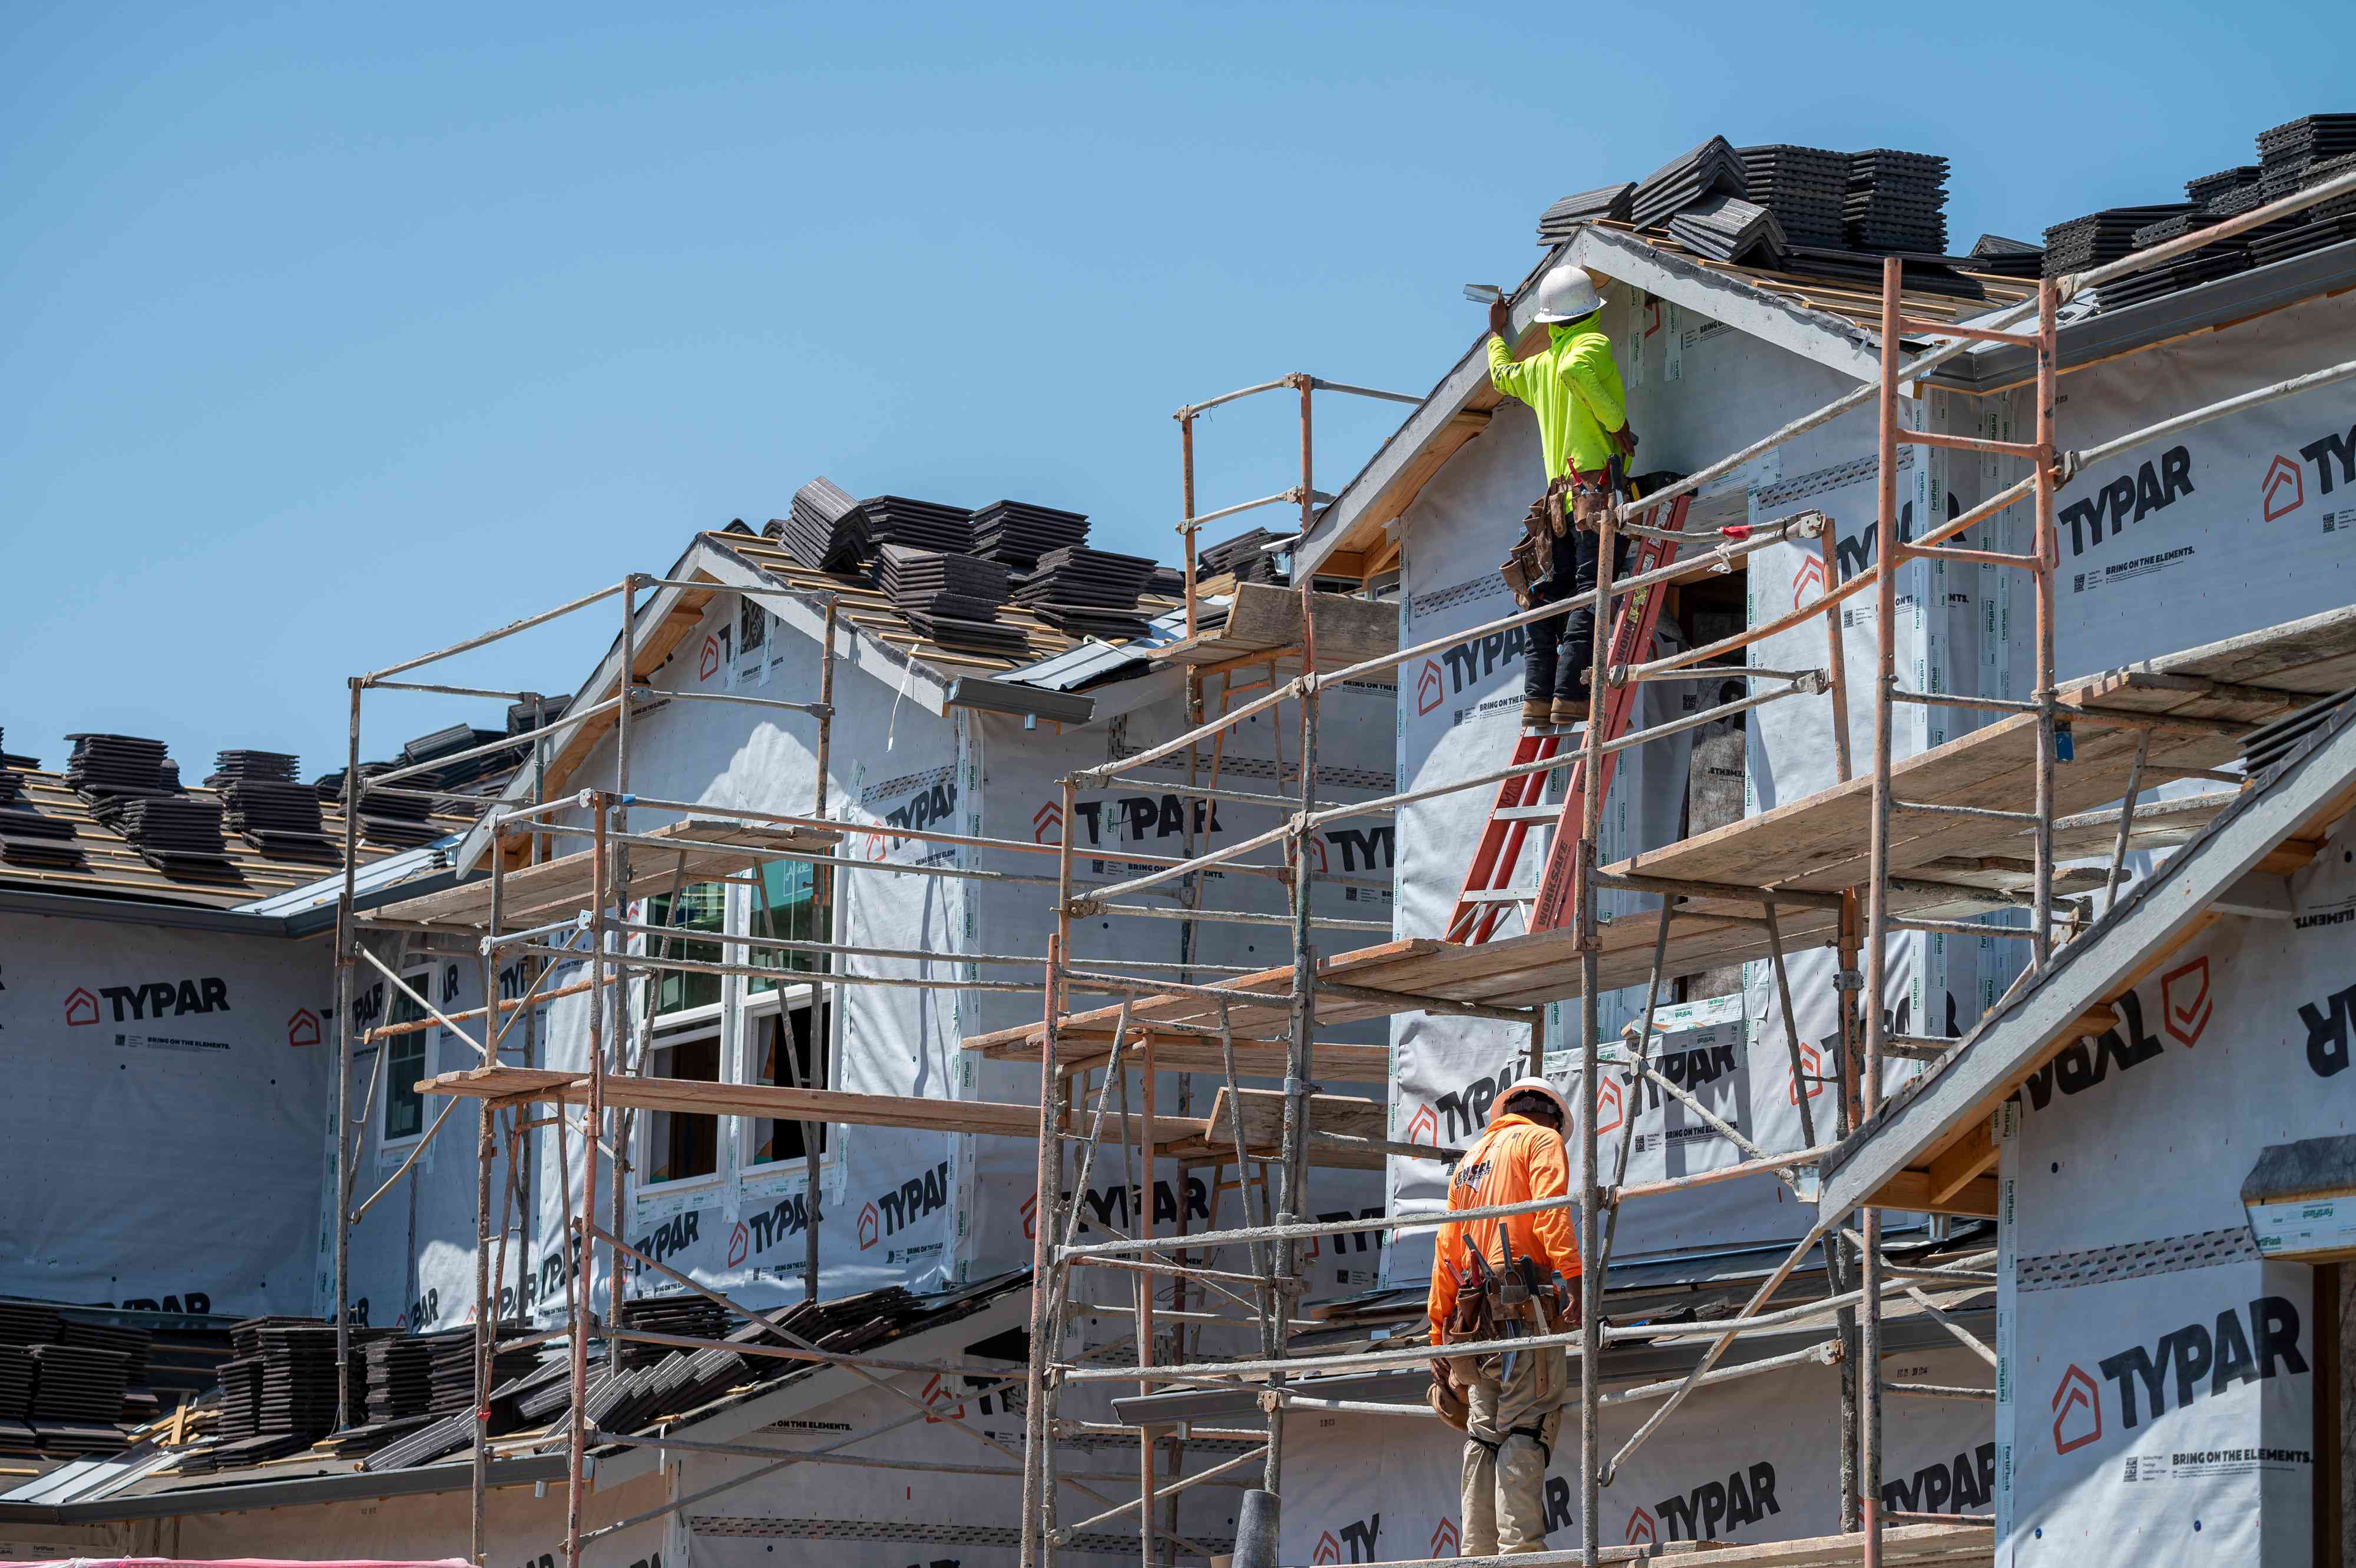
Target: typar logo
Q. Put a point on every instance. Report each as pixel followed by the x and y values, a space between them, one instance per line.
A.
pixel 82 1007
pixel 2077 1409
pixel 2283 490
pixel 871 1226
pixel 709 665
pixel 1047 824
pixel 939 1398
pixel 2185 1002
pixel 1611 1107
pixel 1430 690
pixel 1812 1065
pixel 1424 1128
pixel 1357 1541
pixel 2327 1031
pixel 1808 582
pixel 1445 1540
pixel 740 1242
pixel 1031 1218
pixel 1642 1529
pixel 303 1028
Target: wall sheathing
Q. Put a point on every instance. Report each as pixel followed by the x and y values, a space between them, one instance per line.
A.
pixel 162 1131
pixel 2156 1394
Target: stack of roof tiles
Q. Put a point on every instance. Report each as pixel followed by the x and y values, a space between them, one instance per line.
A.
pixel 2287 150
pixel 2293 157
pixel 525 717
pixel 1610 202
pixel 118 768
pixel 63 1384
pixel 939 585
pixel 2101 236
pixel 27 838
pixel 2007 258
pixel 400 821
pixel 1017 533
pixel 919 525
pixel 824 527
pixel 1897 201
pixel 1087 593
pixel 1729 229
pixel 1246 555
pixel 268 809
pixel 689 1316
pixel 1805 187
pixel 2325 223
pixel 1712 168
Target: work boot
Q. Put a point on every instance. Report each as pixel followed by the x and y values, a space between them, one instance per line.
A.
pixel 1568 711
pixel 1537 710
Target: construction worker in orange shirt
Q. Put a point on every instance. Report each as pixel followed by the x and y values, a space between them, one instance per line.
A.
pixel 1507 1279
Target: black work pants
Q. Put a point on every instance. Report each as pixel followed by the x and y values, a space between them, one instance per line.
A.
pixel 1561 651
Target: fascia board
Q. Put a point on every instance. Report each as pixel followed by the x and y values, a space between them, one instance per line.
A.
pixel 2089 971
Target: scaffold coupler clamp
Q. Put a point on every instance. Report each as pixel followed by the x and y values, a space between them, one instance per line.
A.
pixel 1814 682
pixel 1848 979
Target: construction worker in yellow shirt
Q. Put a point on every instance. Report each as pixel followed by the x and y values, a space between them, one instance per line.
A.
pixel 1573 386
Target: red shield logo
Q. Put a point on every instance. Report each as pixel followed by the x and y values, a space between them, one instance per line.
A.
pixel 1445 1541
pixel 1641 1530
pixel 2078 1410
pixel 2283 490
pixel 740 1241
pixel 710 664
pixel 2185 1003
pixel 1812 1062
pixel 1808 582
pixel 1047 824
pixel 302 1029
pixel 1031 1218
pixel 1317 854
pixel 1328 1549
pixel 82 1007
pixel 871 1226
pixel 1430 689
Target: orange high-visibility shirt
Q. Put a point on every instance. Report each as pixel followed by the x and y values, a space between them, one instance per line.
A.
pixel 1516 1160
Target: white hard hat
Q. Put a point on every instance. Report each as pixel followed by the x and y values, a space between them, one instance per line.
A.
pixel 1566 294
pixel 1533 1086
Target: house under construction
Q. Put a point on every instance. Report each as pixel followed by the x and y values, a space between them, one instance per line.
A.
pixel 1046 1059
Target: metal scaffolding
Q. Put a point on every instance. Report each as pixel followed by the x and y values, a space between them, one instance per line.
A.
pixel 1150 1019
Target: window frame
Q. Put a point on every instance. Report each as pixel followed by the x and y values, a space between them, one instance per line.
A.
pixel 757 1009
pixel 420 978
pixel 707 1025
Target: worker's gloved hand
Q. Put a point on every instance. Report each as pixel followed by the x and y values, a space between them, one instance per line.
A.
pixel 1500 319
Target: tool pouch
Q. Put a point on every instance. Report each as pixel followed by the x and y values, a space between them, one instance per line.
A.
pixel 1522 569
pixel 1445 1402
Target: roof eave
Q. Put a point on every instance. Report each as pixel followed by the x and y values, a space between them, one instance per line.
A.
pixel 2310 791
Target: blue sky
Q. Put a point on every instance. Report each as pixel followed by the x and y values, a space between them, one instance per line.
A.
pixel 330 334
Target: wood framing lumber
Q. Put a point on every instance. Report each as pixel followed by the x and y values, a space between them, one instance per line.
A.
pixel 1962 1163
pixel 1263 619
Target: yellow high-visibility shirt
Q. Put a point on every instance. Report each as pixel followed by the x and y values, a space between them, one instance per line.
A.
pixel 1573 386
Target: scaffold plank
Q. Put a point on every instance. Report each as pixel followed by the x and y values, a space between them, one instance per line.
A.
pixel 536 894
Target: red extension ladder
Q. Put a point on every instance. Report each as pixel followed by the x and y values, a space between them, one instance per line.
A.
pixel 1479 906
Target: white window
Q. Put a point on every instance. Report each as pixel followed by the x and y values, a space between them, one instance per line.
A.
pixel 788 1044
pixel 406 1058
pixel 680 1145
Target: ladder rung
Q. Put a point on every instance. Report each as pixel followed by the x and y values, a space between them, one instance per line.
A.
pixel 1526 813
pixel 1501 896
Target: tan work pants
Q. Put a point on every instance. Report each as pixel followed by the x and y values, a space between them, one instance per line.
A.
pixel 1508 1440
